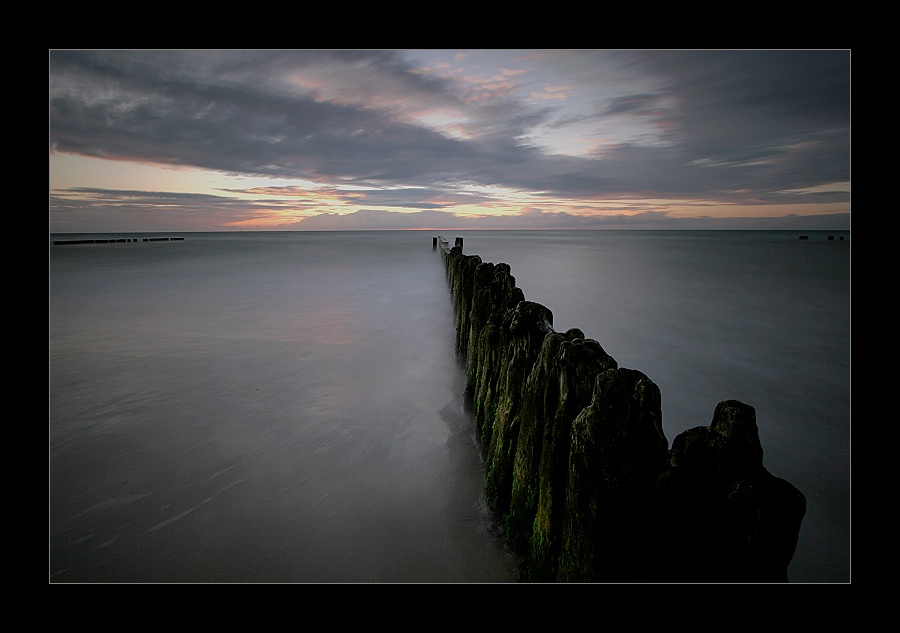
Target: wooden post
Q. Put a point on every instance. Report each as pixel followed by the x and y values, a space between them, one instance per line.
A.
pixel 459 242
pixel 433 243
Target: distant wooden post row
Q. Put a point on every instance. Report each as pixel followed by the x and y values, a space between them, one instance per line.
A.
pixel 441 241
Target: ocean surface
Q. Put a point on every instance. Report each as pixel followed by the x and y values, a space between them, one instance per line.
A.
pixel 286 407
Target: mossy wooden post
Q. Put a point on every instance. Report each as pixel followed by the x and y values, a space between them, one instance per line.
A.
pixel 715 513
pixel 618 450
pixel 526 326
pixel 579 360
pixel 539 404
pixel 496 295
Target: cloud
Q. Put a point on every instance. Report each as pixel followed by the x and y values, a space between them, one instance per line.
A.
pixel 86 209
pixel 420 127
pixel 374 219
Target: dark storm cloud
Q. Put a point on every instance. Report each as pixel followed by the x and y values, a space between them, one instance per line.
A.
pixel 229 114
pixel 779 118
pixel 734 126
pixel 632 104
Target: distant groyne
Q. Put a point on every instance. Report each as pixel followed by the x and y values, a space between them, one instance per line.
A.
pixel 578 471
pixel 117 240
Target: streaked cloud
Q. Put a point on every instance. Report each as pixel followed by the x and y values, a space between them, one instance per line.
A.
pixel 339 132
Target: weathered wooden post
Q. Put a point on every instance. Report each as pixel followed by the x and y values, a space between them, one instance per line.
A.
pixel 459 242
pixel 434 243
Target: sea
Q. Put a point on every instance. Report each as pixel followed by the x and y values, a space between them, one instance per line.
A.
pixel 287 407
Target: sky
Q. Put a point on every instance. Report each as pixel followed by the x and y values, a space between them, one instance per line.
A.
pixel 245 140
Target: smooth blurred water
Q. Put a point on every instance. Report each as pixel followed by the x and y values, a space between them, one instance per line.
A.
pixel 286 407
pixel 261 408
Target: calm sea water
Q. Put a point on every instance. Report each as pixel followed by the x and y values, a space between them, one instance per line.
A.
pixel 285 407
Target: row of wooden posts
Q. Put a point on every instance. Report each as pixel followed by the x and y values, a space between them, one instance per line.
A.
pixel 118 240
pixel 441 241
pixel 579 474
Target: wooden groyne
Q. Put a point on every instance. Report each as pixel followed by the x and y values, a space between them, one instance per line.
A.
pixel 578 471
pixel 117 240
